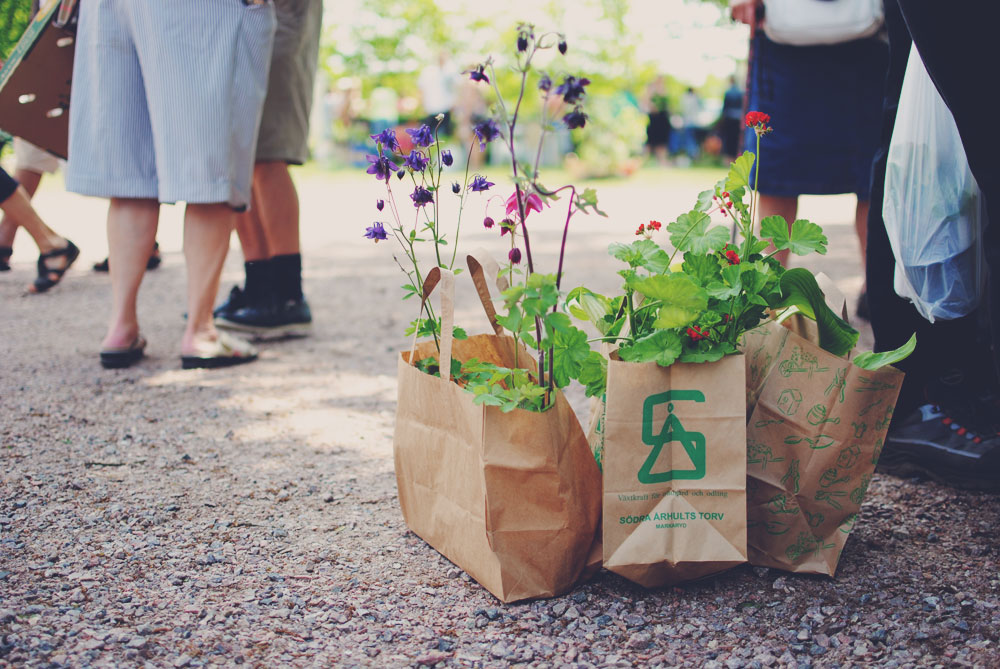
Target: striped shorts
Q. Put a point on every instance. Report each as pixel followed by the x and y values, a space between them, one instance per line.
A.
pixel 166 99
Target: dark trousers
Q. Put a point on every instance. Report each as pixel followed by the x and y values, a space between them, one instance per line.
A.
pixel 956 44
pixel 7 185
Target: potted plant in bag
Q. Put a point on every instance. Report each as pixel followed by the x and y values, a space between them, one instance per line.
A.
pixel 492 466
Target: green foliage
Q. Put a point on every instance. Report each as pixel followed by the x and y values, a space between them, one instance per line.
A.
pixel 14 18
pixel 873 361
pixel 798 288
pixel 693 232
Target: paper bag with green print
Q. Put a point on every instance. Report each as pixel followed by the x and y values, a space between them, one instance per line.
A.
pixel 674 456
pixel 814 435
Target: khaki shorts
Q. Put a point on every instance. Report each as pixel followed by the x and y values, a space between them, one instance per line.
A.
pixel 27 156
pixel 284 127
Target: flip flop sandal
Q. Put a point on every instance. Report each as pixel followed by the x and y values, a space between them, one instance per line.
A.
pixel 44 281
pixel 5 253
pixel 223 352
pixel 126 356
pixel 153 262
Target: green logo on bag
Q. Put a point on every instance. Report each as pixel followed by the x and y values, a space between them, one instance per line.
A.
pixel 672 430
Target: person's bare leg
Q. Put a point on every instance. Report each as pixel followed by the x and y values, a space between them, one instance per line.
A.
pixel 278 206
pixel 18 208
pixel 29 181
pixel 132 227
pixel 250 230
pixel 773 205
pixel 207 228
pixel 861 227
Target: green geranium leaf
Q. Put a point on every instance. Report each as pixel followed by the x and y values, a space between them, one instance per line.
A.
pixel 705 200
pixel 570 352
pixel 799 289
pixel 662 347
pixel 710 354
pixel 739 172
pixel 730 286
pixel 643 253
pixel 872 361
pixel 459 333
pixel 594 374
pixel 804 237
pixel 587 305
pixel 683 299
pixel 702 268
pixel 691 232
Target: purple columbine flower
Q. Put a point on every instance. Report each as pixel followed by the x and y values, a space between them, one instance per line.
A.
pixel 478 74
pixel 486 131
pixel 456 188
pixel 515 255
pixel 446 158
pixel 488 222
pixel 421 196
pixel 422 136
pixel 381 167
pixel 545 83
pixel 563 46
pixel 507 225
pixel 376 232
pixel 380 205
pixel 387 138
pixel 575 119
pixel 572 89
pixel 479 184
pixel 416 161
pixel 399 174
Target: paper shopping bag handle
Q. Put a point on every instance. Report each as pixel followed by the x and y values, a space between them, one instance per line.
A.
pixel 481 264
pixel 447 294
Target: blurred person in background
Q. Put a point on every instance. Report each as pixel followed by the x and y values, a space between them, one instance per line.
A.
pixel 731 122
pixel 824 102
pixel 658 129
pixel 143 129
pixel 271 303
pixel 56 253
pixel 437 84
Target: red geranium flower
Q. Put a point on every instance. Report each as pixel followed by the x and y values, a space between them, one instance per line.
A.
pixel 654 225
pixel 755 118
pixel 732 257
pixel 641 230
pixel 696 333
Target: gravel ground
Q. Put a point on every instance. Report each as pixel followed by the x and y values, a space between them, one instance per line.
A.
pixel 168 518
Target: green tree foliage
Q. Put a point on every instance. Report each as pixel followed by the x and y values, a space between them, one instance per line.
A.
pixel 14 18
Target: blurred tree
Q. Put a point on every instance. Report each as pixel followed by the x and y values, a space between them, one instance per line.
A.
pixel 14 17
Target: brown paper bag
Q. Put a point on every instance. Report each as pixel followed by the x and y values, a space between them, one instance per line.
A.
pixel 513 499
pixel 674 456
pixel 35 80
pixel 813 438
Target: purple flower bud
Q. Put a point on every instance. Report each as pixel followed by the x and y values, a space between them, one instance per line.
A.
pixel 506 225
pixel 562 47
pixel 545 83
pixel 400 174
pixel 488 222
pixel 446 158
pixel 522 42
pixel 456 188
pixel 515 255
pixel 380 205
pixel 575 119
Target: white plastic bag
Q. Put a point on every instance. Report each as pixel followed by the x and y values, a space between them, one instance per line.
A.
pixel 932 208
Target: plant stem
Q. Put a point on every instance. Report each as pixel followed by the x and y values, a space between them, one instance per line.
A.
pixel 461 204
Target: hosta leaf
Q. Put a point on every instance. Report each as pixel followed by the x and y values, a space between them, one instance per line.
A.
pixel 872 361
pixel 799 289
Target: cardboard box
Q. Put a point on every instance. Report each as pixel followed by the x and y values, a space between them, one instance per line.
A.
pixel 35 83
